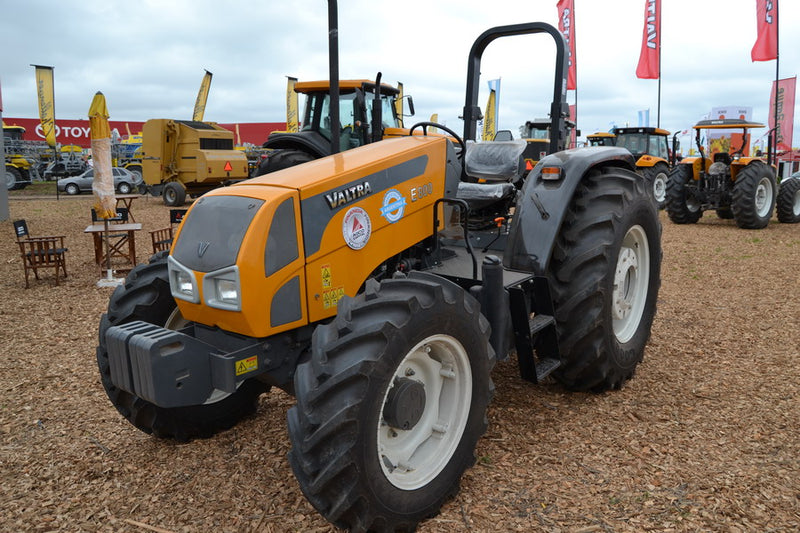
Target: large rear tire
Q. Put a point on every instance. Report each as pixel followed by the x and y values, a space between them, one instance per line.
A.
pixel 605 275
pixel 789 201
pixel 682 207
pixel 754 196
pixel 392 403
pixel 282 158
pixel 146 296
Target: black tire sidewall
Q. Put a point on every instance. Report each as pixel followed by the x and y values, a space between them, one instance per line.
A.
pixel 676 207
pixel 743 205
pixel 786 201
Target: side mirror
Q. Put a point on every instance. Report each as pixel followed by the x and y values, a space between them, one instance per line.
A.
pixel 410 106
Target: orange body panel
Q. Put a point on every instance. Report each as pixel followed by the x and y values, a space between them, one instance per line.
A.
pixel 391 186
pixel 257 290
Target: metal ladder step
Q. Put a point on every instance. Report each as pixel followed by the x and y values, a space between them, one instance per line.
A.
pixel 540 322
pixel 544 367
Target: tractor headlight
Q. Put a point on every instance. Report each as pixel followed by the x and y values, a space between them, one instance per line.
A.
pixel 221 289
pixel 182 283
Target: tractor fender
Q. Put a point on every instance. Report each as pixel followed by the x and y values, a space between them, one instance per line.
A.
pixel 542 204
pixel 307 141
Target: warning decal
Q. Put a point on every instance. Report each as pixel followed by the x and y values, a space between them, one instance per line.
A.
pixel 246 365
pixel 326 275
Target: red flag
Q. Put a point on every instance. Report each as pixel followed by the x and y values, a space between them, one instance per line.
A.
pixel 766 47
pixel 785 130
pixel 566 25
pixel 650 56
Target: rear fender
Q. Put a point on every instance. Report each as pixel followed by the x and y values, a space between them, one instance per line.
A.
pixel 542 204
pixel 307 141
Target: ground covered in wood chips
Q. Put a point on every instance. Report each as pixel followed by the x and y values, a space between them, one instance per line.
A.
pixel 705 436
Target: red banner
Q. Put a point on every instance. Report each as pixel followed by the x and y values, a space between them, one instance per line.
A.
pixel 649 66
pixel 785 98
pixel 77 131
pixel 566 25
pixel 766 47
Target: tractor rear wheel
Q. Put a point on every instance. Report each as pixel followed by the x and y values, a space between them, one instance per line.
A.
pixel 391 404
pixel 789 201
pixel 146 296
pixel 605 276
pixel 682 207
pixel 282 158
pixel 657 176
pixel 754 196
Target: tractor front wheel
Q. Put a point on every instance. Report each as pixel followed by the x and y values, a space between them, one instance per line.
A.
pixel 146 296
pixel 754 196
pixel 657 177
pixel 789 201
pixel 391 404
pixel 682 206
pixel 605 276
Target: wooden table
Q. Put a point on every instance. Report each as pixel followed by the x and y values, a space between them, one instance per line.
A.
pixel 125 200
pixel 120 235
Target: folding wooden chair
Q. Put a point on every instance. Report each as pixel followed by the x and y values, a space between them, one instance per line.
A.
pixel 40 252
pixel 162 238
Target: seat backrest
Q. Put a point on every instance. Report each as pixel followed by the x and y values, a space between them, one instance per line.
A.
pixel 176 215
pixel 722 157
pixel 122 215
pixel 495 160
pixel 21 229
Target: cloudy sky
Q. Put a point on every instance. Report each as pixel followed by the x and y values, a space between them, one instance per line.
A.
pixel 148 56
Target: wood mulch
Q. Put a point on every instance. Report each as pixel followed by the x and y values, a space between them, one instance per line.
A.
pixel 704 438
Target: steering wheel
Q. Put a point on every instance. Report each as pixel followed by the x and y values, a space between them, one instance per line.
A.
pixel 424 126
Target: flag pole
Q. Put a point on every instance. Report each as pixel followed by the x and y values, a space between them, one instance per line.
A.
pixel 777 86
pixel 574 47
pixel 658 115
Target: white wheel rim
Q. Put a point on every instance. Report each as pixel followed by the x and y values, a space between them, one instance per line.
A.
pixel 411 459
pixel 763 197
pixel 796 208
pixel 631 279
pixel 660 187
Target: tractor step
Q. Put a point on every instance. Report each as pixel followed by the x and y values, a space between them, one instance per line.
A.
pixel 544 367
pixel 540 322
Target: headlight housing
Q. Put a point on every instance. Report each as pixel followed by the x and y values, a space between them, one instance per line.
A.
pixel 182 283
pixel 222 289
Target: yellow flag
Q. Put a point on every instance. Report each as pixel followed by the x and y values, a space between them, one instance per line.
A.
pixel 434 118
pixel 47 111
pixel 490 119
pixel 202 98
pixel 292 125
pixel 398 104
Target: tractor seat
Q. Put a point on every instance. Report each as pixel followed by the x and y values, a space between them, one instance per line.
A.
pixel 722 157
pixel 494 166
pixel 480 195
pixel 495 160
